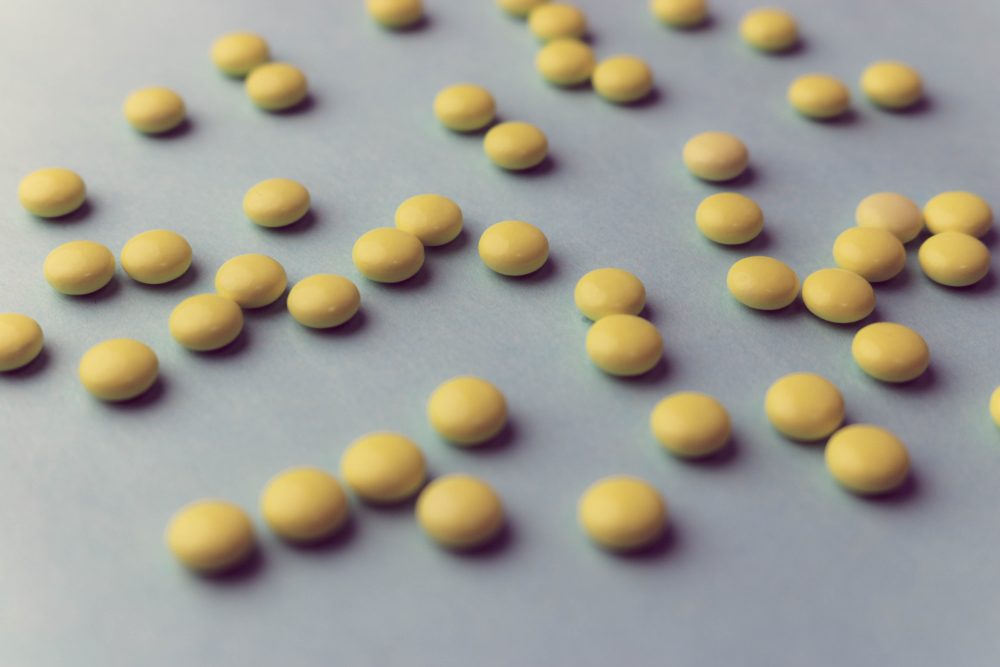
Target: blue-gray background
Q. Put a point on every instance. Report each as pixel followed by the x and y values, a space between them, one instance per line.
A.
pixel 769 562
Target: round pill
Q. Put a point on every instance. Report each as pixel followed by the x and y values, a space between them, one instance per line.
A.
pixel 304 505
pixel 958 212
pixel 804 406
pixel 867 459
pixel 874 254
pixel 388 255
pixel 716 156
pixel 679 13
pixel 276 86
pixel 566 61
pixel 624 345
pixel 210 536
pixel 467 410
pixel 21 340
pixel 890 352
pixel 433 219
pixel 206 322
pixel 819 96
pixel 623 513
pixel 251 280
pixel 79 267
pixel 769 29
pixel 460 511
pixel 276 202
pixel 383 467
pixel 995 406
pixel 762 283
pixel 729 218
pixel 609 291
pixel 395 13
pixel 623 79
pixel 892 212
pixel 118 369
pixel 52 192
pixel 954 259
pixel 515 145
pixel 891 84
pixel 519 8
pixel 552 20
pixel 239 52
pixel 690 424
pixel 465 107
pixel 156 257
pixel 154 110
pixel 838 295
pixel 323 301
pixel 513 248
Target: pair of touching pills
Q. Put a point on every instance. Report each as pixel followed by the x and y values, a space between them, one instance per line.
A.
pixel 156 257
pixel 624 345
pixel 388 255
pixel 52 192
pixel 513 248
pixel 690 424
pixel 804 406
pixel 623 513
pixel 716 156
pixel 467 410
pixel 762 283
pixel 276 202
pixel 154 110
pixel 867 459
pixel 609 291
pixel 460 512
pixel 119 369
pixel 252 280
pixel 21 341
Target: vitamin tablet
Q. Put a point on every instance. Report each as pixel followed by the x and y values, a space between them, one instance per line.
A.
pixel 433 219
pixel 958 212
pixel 276 202
pixel 210 536
pixel 622 513
pixel 892 212
pixel 716 156
pixel 239 52
pixel 552 20
pixel 383 467
pixel 467 410
pixel 690 424
pixel 819 96
pixel 867 459
pixel 519 8
pixel 995 406
pixel 323 301
pixel 156 257
pixel 891 84
pixel 515 145
pixel 804 406
pixel 874 254
pixel 395 13
pixel 465 107
pixel 566 61
pixel 624 345
pixel 729 218
pixel 206 322
pixel 623 79
pixel 154 110
pixel 276 86
pixel 954 259
pixel 609 291
pixel 769 29
pixel 890 352
pixel 79 267
pixel 388 255
pixel 21 340
pixel 304 505
pixel 679 13
pixel 251 280
pixel 52 192
pixel 118 369
pixel 762 283
pixel 838 295
pixel 460 511
pixel 513 248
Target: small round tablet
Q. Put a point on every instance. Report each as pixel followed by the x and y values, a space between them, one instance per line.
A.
pixel 251 280
pixel 79 267
pixel 622 513
pixel 838 296
pixel 566 61
pixel 118 369
pixel 467 410
pixel 954 259
pixel 21 340
pixel 519 8
pixel 890 352
pixel 874 254
pixel 867 459
pixel 804 406
pixel 304 504
pixel 729 218
pixel 962 212
pixel 388 255
pixel 995 406
pixel 553 20
pixel 210 536
pixel 460 511
pixel 465 107
pixel 609 291
pixel 156 257
pixel 623 79
pixel 769 29
pixel 624 345
pixel 515 145
pixel 205 322
pixel 276 202
pixel 395 13
pixel 892 212
pixel 762 283
pixel 513 248
pixel 276 86
pixel 433 219
pixel 383 467
pixel 52 192
pixel 239 52
pixel 892 84
pixel 154 110
pixel 716 156
pixel 690 424
pixel 819 96
pixel 679 13
pixel 324 300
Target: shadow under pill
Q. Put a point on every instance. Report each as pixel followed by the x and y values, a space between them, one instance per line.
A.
pixel 235 576
pixel 85 211
pixel 348 328
pixel 546 271
pixel 455 245
pixel 155 394
pixel 338 540
pixel 666 544
pixel 501 442
pixel 185 128
pixel 546 166
pixel 235 347
pixel 300 226
pixel 500 544
pixel 182 282
pixel 29 370
pixel 308 103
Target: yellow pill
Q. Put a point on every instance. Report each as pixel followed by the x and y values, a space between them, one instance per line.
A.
pixel 995 406
pixel 323 301
pixel 276 202
pixel 729 218
pixel 460 511
pixel 679 13
pixel 892 212
pixel 383 467
pixel 890 352
pixel 609 291
pixel 690 424
pixel 276 86
pixel 624 345
pixel 118 369
pixel 819 96
pixel 804 406
pixel 21 340
pixel 210 536
pixel 622 513
pixel 716 156
pixel 958 212
pixel 304 505
pixel 52 192
pixel 388 255
pixel 251 280
pixel 623 79
pixel 838 295
pixel 565 62
pixel 892 84
pixel 467 410
pixel 433 219
pixel 239 52
pixel 515 145
pixel 954 259
pixel 553 20
pixel 79 267
pixel 762 283
pixel 867 459
pixel 465 107
pixel 154 110
pixel 513 248
pixel 395 13
pixel 206 322
pixel 874 254
pixel 156 257
pixel 769 29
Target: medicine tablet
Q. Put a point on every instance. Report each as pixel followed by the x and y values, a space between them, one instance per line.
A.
pixel 154 110
pixel 716 156
pixel 954 259
pixel 465 107
pixel 565 61
pixel 21 340
pixel 467 410
pixel 762 283
pixel 679 13
pixel 383 467
pixel 838 295
pixel 395 13
pixel 276 86
pixel 624 345
pixel 958 212
pixel 515 145
pixel 239 52
pixel 892 84
pixel 623 79
pixel 519 8
pixel 995 406
pixel 513 248
pixel 304 505
pixel 892 212
pixel 867 459
pixel 804 406
pixel 460 511
pixel 623 513
pixel 276 202
pixel 324 300
pixel 251 280
pixel 769 29
pixel 79 267
pixel 874 254
pixel 118 369
pixel 890 352
pixel 52 192
pixel 388 255
pixel 206 322
pixel 210 536
pixel 156 257
pixel 729 218
pixel 819 96
pixel 433 219
pixel 690 424
pixel 609 291
pixel 553 20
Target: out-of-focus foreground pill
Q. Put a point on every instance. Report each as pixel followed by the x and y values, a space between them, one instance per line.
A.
pixel 867 459
pixel 118 369
pixel 679 13
pixel 433 219
pixel 624 345
pixel 995 406
pixel 513 248
pixel 729 218
pixel 892 212
pixel 762 283
pixel 890 352
pixel 892 84
pixel 519 8
pixel 804 406
pixel 465 107
pixel 251 280
pixel 769 29
pixel 622 513
pixel 154 110
pixel 690 424
pixel 239 52
pixel 304 504
pixel 324 300
pixel 460 511
pixel 553 20
pixel 383 467
pixel 276 202
pixel 467 410
pixel 206 322
pixel 609 291
pixel 21 340
pixel 623 79
pixel 395 13
pixel 962 212
pixel 79 267
pixel 874 254
pixel 566 61
pixel 52 192
pixel 210 536
pixel 515 145
pixel 716 156
pixel 819 96
pixel 276 86
pixel 156 257
pixel 388 255
pixel 838 295
pixel 954 259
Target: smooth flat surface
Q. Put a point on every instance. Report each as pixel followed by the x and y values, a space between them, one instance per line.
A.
pixel 769 564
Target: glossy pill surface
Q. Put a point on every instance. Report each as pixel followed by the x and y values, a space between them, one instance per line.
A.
pixel 383 467
pixel 954 259
pixel 276 202
pixel 679 13
pixel 304 504
pixel 276 86
pixel 890 352
pixel 460 511
pixel 892 212
pixel 434 219
pixel 553 20
pixel 154 110
pixel 624 345
pixel 52 192
pixel 622 513
pixel 251 280
pixel 729 218
pixel 838 296
pixel 819 96
pixel 21 341
pixel 690 424
pixel 239 52
pixel 79 267
pixel 716 156
pixel 963 212
pixel 623 79
pixel 395 13
pixel 566 61
pixel 609 291
pixel 465 107
pixel 769 29
pixel 892 84
pixel 874 254
pixel 867 459
pixel 515 145
pixel 118 369
pixel 804 406
pixel 156 257
pixel 205 322
pixel 513 248
pixel 388 255
pixel 762 283
pixel 210 536
pixel 324 300
pixel 467 410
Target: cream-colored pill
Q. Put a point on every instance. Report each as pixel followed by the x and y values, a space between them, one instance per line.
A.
pixel 892 212
pixel 79 267
pixel 156 257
